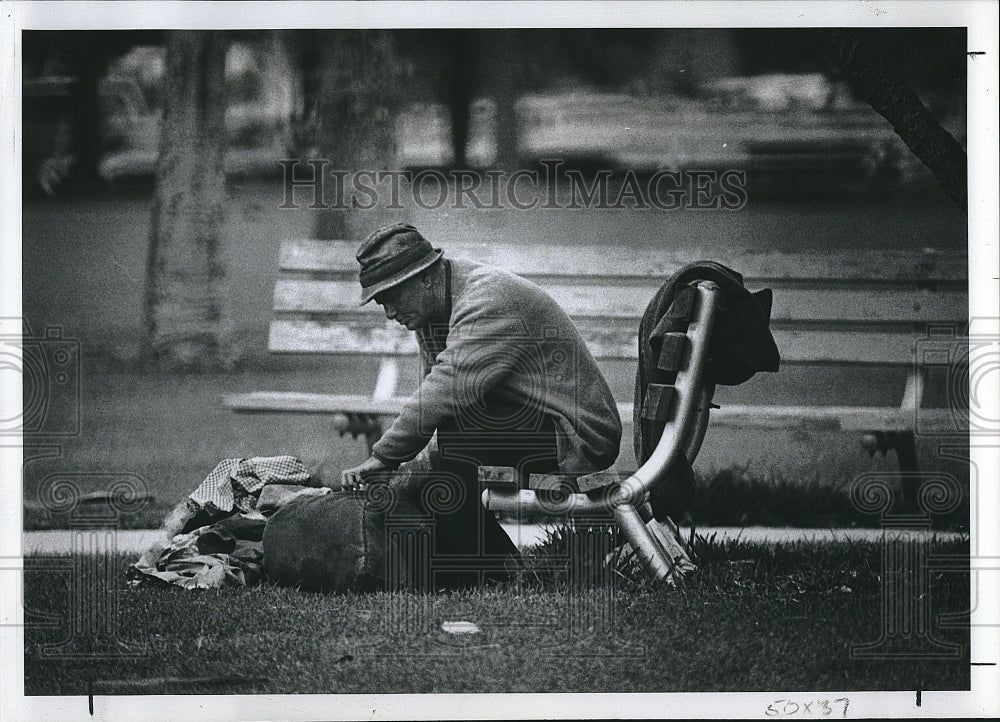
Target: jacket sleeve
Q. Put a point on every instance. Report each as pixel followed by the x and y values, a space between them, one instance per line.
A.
pixel 481 349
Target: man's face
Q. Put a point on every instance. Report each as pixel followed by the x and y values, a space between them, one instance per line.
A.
pixel 409 304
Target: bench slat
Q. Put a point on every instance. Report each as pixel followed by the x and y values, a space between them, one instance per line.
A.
pixel 593 260
pixel 848 347
pixel 311 403
pixel 843 418
pixel 344 337
pixel 606 338
pixel 846 418
pixel 864 308
pixel 628 301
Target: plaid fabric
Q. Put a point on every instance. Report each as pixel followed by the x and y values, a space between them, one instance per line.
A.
pixel 236 482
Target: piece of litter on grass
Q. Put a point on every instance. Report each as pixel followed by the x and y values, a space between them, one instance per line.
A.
pixel 460 627
pixel 845 589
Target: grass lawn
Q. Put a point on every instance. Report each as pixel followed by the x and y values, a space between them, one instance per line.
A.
pixel 751 618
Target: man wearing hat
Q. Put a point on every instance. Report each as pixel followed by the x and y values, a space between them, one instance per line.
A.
pixel 508 381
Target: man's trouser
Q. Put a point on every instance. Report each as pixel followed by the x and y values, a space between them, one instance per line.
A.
pixel 469 543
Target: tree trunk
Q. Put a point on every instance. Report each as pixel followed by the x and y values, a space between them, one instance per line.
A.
pixel 505 66
pixel 360 74
pixel 88 141
pixel 894 101
pixel 461 49
pixel 184 273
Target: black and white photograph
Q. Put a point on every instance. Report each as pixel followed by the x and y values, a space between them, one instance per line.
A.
pixel 472 360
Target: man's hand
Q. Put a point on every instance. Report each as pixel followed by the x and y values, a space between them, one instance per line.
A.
pixel 355 478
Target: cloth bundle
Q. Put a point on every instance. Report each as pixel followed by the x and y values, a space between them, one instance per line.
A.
pixel 206 558
pixel 252 519
pixel 235 483
pixel 215 534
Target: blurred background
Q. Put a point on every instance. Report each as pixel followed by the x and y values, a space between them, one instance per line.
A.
pixel 765 101
pixel 824 170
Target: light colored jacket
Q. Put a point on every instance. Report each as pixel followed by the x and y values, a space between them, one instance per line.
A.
pixel 507 336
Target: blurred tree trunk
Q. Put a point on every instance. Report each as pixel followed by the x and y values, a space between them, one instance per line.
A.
pixel 88 141
pixel 359 86
pixel 461 50
pixel 504 61
pixel 278 81
pixel 894 101
pixel 184 271
pixel 83 55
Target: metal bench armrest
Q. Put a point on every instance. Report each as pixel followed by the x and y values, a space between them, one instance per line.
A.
pixel 686 429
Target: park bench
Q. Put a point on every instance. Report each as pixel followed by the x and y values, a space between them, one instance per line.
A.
pixel 857 308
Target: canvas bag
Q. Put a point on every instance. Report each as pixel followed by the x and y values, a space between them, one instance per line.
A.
pixel 346 541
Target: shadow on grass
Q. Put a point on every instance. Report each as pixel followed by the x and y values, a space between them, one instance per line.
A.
pixel 847 566
pixel 730 497
pixel 736 497
pixel 752 617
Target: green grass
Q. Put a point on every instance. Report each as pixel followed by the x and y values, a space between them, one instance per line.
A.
pixel 752 617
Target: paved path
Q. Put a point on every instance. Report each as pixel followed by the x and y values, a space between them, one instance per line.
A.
pixel 136 540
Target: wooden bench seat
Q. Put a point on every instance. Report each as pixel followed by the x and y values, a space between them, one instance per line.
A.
pixel 833 418
pixel 859 307
pixel 866 309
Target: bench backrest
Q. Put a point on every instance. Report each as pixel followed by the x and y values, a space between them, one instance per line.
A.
pixel 850 306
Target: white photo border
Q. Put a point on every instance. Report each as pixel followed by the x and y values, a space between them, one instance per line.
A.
pixel 980 19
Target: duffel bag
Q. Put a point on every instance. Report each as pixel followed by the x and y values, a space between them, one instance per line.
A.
pixel 347 541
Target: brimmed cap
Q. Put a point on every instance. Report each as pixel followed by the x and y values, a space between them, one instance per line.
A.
pixel 391 255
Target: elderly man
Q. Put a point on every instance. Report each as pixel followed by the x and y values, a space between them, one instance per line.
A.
pixel 508 381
